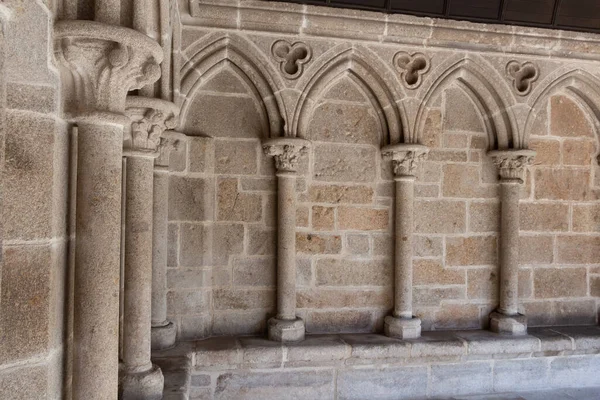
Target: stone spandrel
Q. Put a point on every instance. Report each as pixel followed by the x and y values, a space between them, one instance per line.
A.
pixel 286 152
pixel 150 118
pixel 405 157
pixel 104 63
pixel 511 164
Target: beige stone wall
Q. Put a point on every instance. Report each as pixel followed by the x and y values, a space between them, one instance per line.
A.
pixel 34 200
pixel 349 99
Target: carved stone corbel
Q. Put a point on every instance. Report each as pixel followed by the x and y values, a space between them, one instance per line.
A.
pixel 150 118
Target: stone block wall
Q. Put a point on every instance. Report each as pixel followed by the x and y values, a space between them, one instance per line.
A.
pixel 350 97
pixel 34 146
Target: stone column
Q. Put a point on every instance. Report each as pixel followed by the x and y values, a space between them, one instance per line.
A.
pixel 99 64
pixel 511 168
pixel 402 324
pixel 164 332
pixel 286 326
pixel 140 379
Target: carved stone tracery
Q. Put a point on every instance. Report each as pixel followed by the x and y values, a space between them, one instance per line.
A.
pixel 412 67
pixel 291 57
pixel 522 76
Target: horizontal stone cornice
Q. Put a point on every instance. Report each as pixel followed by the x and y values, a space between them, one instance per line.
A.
pixel 296 19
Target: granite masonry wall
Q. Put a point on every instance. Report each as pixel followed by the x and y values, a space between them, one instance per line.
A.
pixel 352 82
pixel 34 144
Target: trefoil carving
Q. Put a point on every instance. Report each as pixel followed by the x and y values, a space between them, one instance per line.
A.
pixel 412 67
pixel 522 76
pixel 291 57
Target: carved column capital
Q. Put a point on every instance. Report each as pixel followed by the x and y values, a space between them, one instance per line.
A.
pixel 512 163
pixel 169 142
pixel 149 119
pixel 405 157
pixel 286 151
pixel 101 63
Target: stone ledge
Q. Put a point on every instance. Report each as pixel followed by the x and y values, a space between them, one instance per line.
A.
pixel 355 349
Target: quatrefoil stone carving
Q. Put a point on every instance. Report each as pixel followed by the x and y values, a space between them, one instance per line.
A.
pixel 522 76
pixel 291 57
pixel 412 67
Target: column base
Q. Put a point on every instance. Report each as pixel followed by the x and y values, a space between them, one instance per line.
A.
pixel 402 328
pixel 163 336
pixel 283 330
pixel 508 324
pixel 147 385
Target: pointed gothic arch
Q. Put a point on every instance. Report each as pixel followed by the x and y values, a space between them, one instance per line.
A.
pixel 368 74
pixel 493 104
pixel 206 58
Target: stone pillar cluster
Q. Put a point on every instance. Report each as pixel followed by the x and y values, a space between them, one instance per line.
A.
pixel 286 326
pixel 511 169
pixel 402 323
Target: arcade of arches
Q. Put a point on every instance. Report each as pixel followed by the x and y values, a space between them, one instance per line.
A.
pixel 236 199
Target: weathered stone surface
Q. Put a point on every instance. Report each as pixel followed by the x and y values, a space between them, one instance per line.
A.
pixel 484 217
pixel 547 151
pixel 195 245
pixel 340 321
pixel 233 205
pixel 354 218
pixel 239 299
pixel 578 152
pixel 236 157
pixel 202 154
pixel 452 379
pixel 425 246
pixel 432 272
pixel 334 194
pixel 433 297
pixel 464 181
pixel 344 123
pixel 457 316
pixel 544 217
pixel 454 213
pixel 323 218
pixel 25 383
pixel 188 278
pixel 261 242
pixel 567 118
pixel 357 244
pixel 483 284
pixel 336 272
pixel 527 374
pixel 228 239
pixel 536 249
pixel 190 199
pixel 562 184
pixel 344 163
pixel 254 272
pixel 243 322
pixel 586 218
pixel 188 301
pixel 432 132
pixel 387 383
pixel 311 243
pixel 578 249
pixel 560 282
pixel 474 250
pixel 343 298
pixel 460 113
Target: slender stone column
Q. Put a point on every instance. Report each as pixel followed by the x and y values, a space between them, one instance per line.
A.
pixel 99 63
pixel 286 326
pixel 164 332
pixel 140 379
pixel 511 168
pixel 402 323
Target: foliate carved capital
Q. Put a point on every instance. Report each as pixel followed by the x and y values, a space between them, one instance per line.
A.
pixel 286 152
pixel 169 142
pixel 149 119
pixel 101 63
pixel 405 157
pixel 512 163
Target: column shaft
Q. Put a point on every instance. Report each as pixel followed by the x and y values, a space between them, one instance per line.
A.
pixel 403 274
pixel 509 247
pixel 97 259
pixel 159 248
pixel 286 246
pixel 138 264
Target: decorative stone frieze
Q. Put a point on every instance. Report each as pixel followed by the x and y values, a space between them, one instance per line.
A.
pixel 402 323
pixel 150 118
pixel 105 62
pixel 512 164
pixel 511 168
pixel 286 326
pixel 291 57
pixel 286 153
pixel 412 67
pixel 522 76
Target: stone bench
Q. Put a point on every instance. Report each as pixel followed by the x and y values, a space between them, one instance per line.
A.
pixel 371 366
